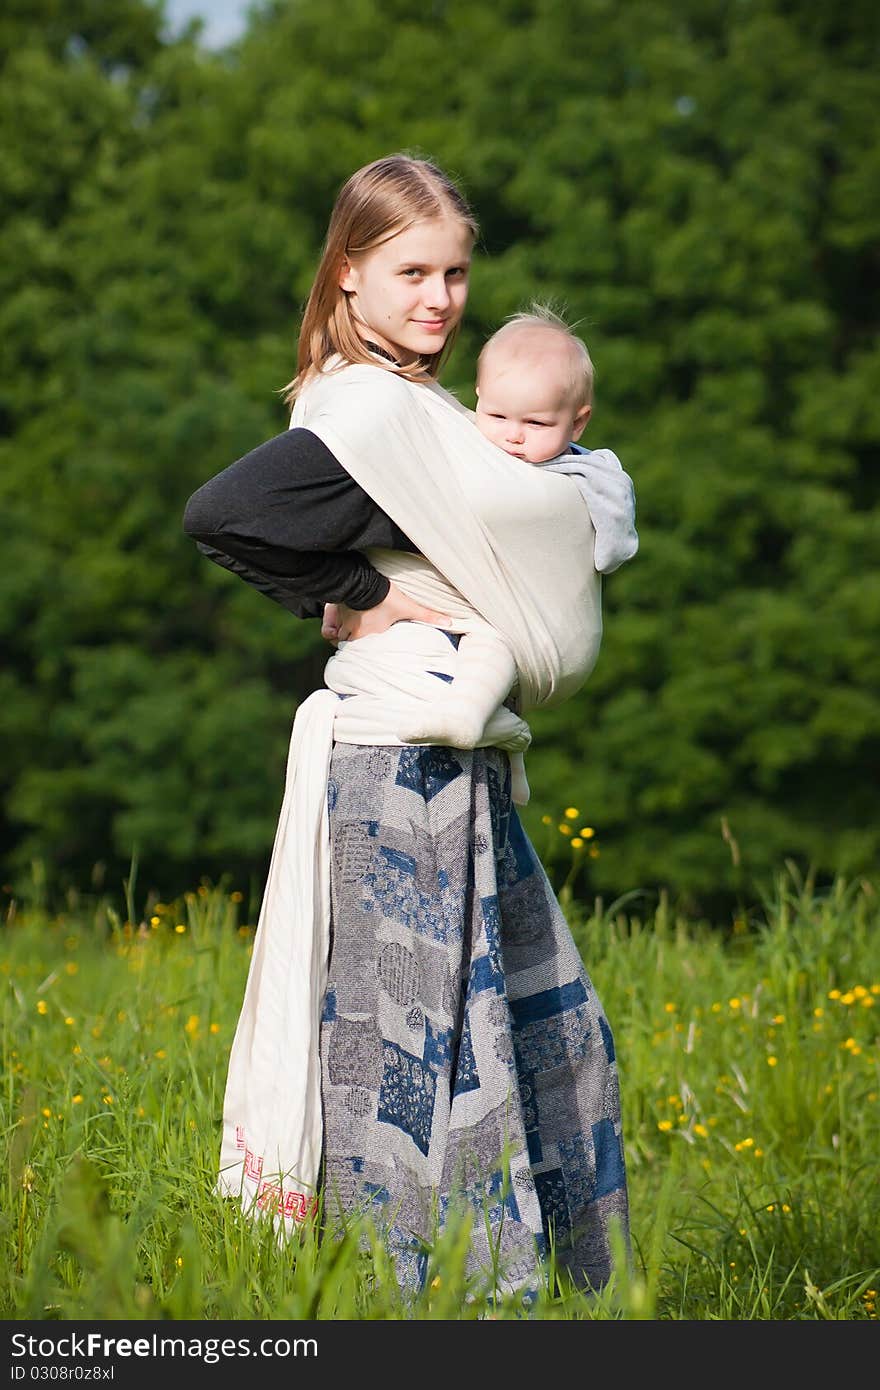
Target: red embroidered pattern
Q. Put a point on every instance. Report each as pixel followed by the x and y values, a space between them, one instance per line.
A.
pixel 272 1197
pixel 293 1205
pixel 253 1166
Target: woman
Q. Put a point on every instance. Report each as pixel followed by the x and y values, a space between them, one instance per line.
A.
pixel 463 1061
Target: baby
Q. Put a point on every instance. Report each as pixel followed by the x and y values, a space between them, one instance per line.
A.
pixel 534 392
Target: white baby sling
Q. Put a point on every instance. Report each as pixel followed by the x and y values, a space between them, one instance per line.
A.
pixel 510 538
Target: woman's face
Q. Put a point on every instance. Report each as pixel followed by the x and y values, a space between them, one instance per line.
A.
pixel 410 292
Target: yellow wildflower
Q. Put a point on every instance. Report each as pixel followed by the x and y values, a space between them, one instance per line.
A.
pixel 664 1125
pixel 76 1100
pixel 702 1131
pixel 70 1021
pixel 587 831
pixel 546 820
pixel 577 843
pixel 42 1006
pixel 71 967
pixel 564 829
pixel 734 1003
pixel 572 812
pixel 772 1061
pixel 215 1027
pixel 180 928
pixel 46 1111
pixel 192 1024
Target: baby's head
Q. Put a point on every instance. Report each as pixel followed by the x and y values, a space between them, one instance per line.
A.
pixel 534 386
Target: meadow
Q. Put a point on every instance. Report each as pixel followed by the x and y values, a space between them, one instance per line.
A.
pixel 751 1101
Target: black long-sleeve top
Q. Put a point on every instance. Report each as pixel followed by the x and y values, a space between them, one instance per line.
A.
pixel 292 522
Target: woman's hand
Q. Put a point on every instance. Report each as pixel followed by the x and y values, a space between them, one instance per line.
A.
pixel 343 624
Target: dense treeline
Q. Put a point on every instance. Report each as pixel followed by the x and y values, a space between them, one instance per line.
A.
pixel 696 185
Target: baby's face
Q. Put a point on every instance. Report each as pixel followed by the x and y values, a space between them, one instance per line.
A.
pixel 524 406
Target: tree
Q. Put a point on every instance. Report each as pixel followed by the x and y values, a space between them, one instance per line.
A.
pixel 703 204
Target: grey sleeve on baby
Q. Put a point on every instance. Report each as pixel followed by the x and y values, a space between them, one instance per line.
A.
pixel 610 496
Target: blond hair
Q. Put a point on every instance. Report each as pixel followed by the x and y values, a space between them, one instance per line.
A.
pixel 376 203
pixel 540 315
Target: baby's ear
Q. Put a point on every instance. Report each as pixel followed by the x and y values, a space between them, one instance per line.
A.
pixel 579 424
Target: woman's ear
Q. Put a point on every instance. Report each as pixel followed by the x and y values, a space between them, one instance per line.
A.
pixel 347 276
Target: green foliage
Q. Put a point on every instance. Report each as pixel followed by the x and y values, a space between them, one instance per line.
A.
pixel 750 1098
pixel 703 202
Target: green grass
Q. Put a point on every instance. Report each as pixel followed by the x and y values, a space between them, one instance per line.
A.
pixel 751 1101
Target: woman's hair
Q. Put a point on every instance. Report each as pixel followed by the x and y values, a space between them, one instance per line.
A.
pixel 542 316
pixel 377 202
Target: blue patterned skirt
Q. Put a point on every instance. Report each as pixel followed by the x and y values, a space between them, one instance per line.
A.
pixel 466 1060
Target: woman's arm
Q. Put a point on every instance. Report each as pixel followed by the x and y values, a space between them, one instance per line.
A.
pixel 288 519
pixel 288 595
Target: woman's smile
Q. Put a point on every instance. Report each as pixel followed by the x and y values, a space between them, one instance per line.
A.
pixel 409 292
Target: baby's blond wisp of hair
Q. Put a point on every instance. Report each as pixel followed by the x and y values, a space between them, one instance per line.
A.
pixel 539 317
